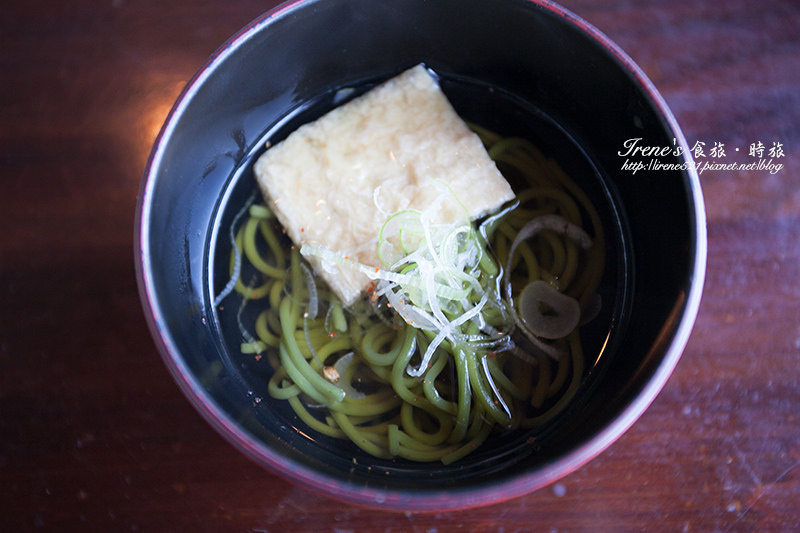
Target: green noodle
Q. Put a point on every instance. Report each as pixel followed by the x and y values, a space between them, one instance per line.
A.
pixel 468 390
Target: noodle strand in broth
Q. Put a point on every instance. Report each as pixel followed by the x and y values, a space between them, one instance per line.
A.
pixel 346 373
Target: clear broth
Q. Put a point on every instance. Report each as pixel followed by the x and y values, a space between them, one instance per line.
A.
pixel 505 115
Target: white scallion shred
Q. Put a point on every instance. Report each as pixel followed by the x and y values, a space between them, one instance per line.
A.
pixel 237 254
pixel 313 300
pixel 341 366
pixel 436 284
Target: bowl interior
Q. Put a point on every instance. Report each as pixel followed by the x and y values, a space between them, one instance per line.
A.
pixel 518 62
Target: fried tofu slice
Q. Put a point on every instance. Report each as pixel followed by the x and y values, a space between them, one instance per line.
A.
pixel 334 182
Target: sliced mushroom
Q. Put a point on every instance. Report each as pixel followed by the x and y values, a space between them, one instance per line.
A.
pixel 547 313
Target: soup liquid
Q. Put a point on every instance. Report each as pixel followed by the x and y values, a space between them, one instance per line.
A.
pixel 490 109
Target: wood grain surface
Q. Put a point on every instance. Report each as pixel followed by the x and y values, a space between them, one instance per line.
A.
pixel 94 434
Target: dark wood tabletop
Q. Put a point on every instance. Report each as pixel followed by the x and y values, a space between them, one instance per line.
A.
pixel 95 435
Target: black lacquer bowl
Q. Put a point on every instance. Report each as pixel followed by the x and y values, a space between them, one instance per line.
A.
pixel 518 65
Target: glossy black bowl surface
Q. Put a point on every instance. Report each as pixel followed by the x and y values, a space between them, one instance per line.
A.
pixel 287 66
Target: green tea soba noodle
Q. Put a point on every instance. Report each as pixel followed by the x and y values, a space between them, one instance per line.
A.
pixel 470 329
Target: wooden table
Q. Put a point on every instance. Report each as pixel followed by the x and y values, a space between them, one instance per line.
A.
pixel 97 437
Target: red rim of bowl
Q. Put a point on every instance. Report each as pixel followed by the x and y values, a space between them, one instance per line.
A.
pixel 407 500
